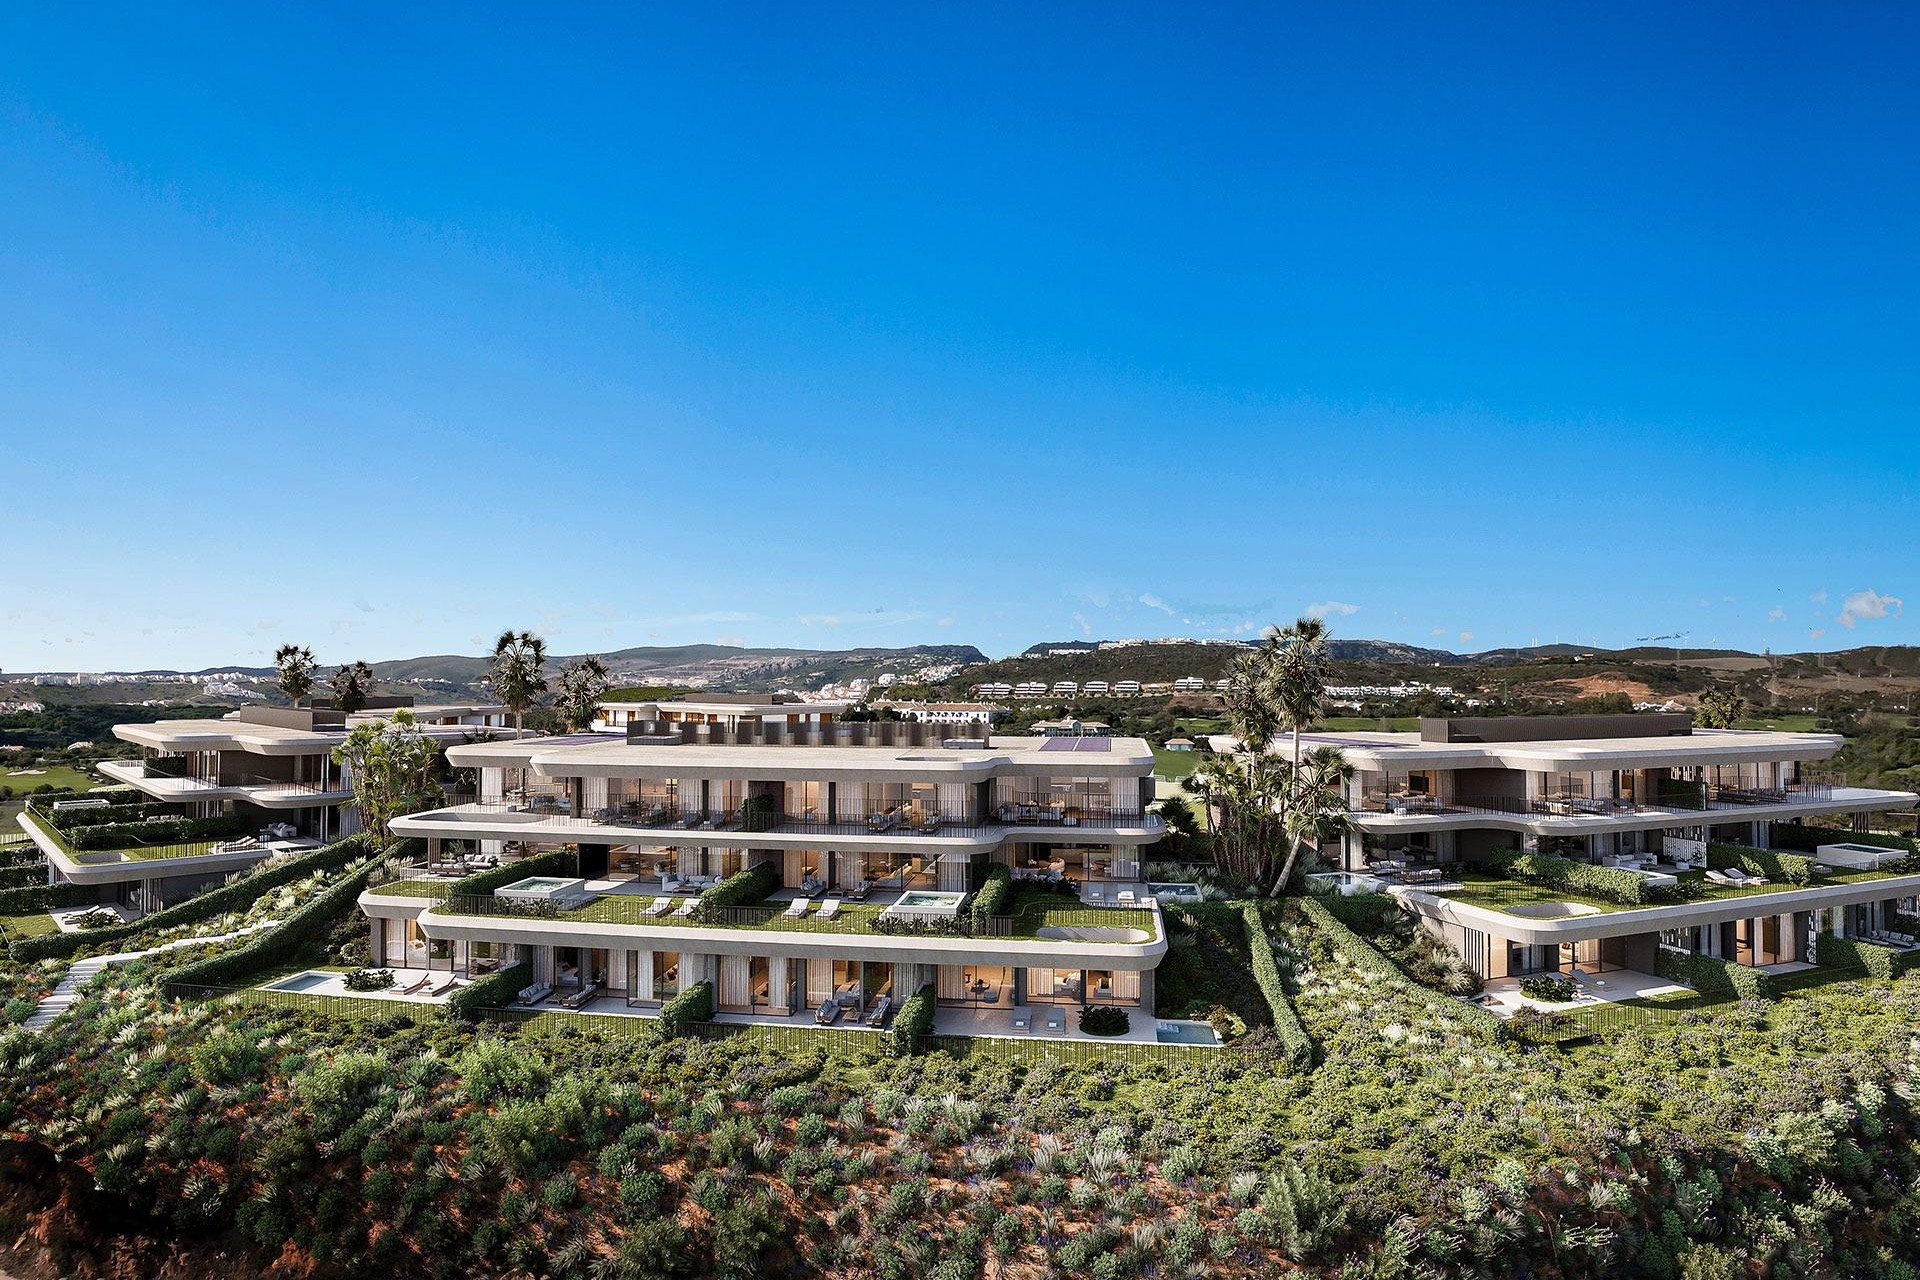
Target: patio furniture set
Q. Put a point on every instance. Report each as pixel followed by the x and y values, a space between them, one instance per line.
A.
pixel 846 1003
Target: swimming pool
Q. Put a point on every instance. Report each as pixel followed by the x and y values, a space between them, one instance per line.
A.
pixel 926 902
pixel 1170 1032
pixel 302 982
pixel 1174 891
pixel 1345 883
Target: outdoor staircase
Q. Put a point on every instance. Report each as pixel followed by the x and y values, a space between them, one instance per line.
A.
pixel 67 993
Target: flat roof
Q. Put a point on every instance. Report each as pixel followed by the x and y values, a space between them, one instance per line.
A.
pixel 592 755
pixel 1399 751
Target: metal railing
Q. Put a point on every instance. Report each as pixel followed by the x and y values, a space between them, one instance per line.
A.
pixel 132 851
pixel 862 919
pixel 1676 800
pixel 878 822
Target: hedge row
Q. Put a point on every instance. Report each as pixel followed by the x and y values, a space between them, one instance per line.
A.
pixel 1362 955
pixel 45 897
pixel 494 992
pixel 23 875
pixel 1266 972
pixel 232 896
pixel 127 835
pixel 1835 952
pixel 1783 868
pixel 995 890
pixel 73 819
pixel 741 889
pixel 553 862
pixel 281 944
pixel 1711 976
pixel 1614 884
pixel 695 1004
pixel 914 1023
pixel 1792 835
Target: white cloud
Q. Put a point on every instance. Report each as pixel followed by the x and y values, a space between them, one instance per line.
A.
pixel 736 642
pixel 1864 605
pixel 1819 597
pixel 946 621
pixel 1776 614
pixel 1816 633
pixel 1333 608
pixel 1080 620
pixel 1152 601
pixel 828 620
pixel 1439 631
pixel 1466 637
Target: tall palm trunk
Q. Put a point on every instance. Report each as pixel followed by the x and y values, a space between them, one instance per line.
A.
pixel 1294 794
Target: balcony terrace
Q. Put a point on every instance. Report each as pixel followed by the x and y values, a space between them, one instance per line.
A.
pixel 1565 813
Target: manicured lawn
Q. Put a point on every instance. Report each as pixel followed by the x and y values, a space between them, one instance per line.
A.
pixel 435 889
pixel 29 926
pixel 1174 765
pixel 1499 894
pixel 1029 913
pixel 53 775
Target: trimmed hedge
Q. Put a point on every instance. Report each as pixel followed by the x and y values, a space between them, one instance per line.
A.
pixel 741 889
pixel 44 897
pixel 1711 976
pixel 157 831
pixel 1835 952
pixel 73 819
pixel 496 991
pixel 1357 951
pixel 1614 884
pixel 1266 972
pixel 695 1004
pixel 995 889
pixel 914 1023
pixel 553 862
pixel 1792 835
pixel 1784 868
pixel 228 897
pixel 279 945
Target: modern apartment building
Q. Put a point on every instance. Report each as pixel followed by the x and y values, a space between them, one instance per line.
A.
pixel 262 775
pixel 729 710
pixel 869 837
pixel 1645 795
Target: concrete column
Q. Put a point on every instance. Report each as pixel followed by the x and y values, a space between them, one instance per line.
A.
pixel 1758 838
pixel 376 942
pixel 433 850
pixel 1146 993
pixel 1020 986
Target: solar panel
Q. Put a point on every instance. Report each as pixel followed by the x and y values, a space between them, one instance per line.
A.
pixel 1093 744
pixel 1057 744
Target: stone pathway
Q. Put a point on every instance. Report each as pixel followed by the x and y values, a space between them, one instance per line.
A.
pixel 83 971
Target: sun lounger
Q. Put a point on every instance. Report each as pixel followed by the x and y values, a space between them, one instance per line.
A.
pixel 1127 897
pixel 877 1016
pixel 880 822
pixel 426 981
pixel 687 907
pixel 830 909
pixel 1096 894
pixel 798 908
pixel 1023 1019
pixel 446 986
pixel 828 1013
pixel 1057 1019
pixel 658 907
pixel 1721 877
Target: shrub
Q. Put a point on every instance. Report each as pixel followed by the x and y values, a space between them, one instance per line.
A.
pixel 742 888
pixel 1354 949
pixel 276 946
pixel 1711 976
pixel 1549 987
pixel 96 919
pixel 159 831
pixel 45 897
pixel 232 896
pixel 1266 972
pixel 991 898
pixel 1792 835
pixel 495 991
pixel 1835 952
pixel 914 1022
pixel 695 1004
pixel 1612 884
pixel 553 862
pixel 1785 868
pixel 370 980
pixel 1104 1020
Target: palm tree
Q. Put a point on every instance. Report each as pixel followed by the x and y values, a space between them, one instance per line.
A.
pixel 1719 709
pixel 351 681
pixel 296 671
pixel 517 675
pixel 1297 681
pixel 582 685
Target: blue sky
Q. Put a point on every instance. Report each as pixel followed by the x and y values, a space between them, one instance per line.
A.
pixel 383 328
